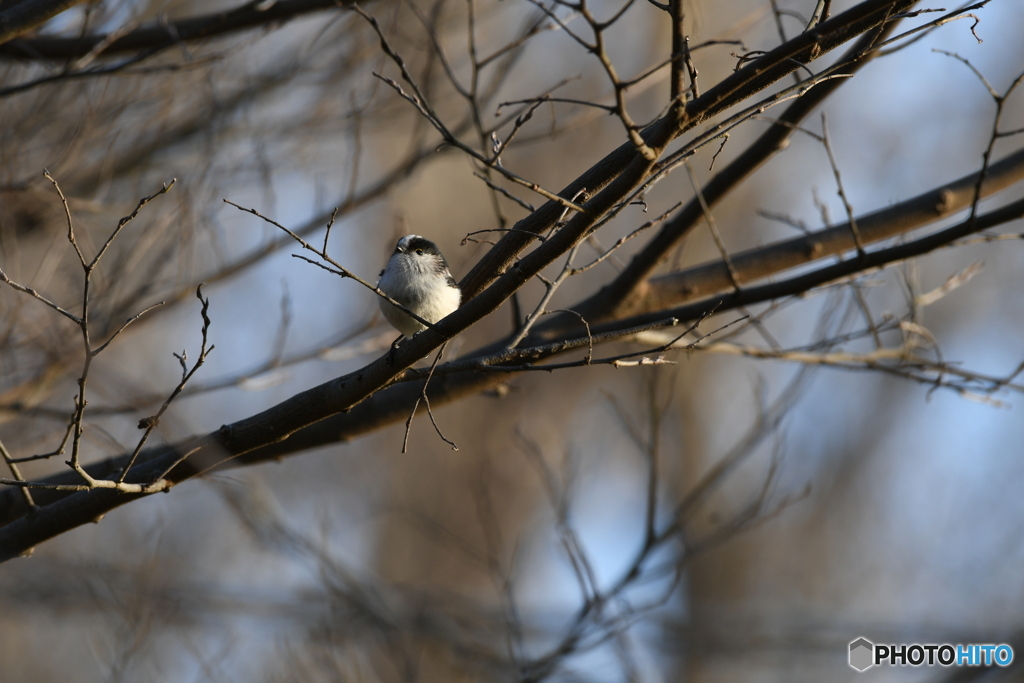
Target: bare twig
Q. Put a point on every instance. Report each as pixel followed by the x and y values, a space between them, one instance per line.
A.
pixel 423 396
pixel 150 423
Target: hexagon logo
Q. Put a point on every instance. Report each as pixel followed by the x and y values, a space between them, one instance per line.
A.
pixel 862 653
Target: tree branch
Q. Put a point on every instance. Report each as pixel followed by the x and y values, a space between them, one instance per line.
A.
pixel 755 264
pixel 159 35
pixel 753 77
pixel 26 15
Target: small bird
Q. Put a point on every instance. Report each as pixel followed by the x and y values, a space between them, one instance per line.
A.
pixel 417 277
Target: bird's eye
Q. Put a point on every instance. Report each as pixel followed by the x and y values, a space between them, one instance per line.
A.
pixel 420 252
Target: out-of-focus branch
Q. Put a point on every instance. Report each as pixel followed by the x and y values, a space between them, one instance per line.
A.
pixel 161 34
pixel 754 264
pixel 26 15
pixel 802 283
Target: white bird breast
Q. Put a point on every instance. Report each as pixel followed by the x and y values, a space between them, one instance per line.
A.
pixel 416 283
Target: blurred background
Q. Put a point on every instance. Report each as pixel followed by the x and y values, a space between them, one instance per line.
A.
pixel 821 503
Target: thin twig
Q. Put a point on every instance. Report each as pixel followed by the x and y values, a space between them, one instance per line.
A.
pixel 423 396
pixel 150 423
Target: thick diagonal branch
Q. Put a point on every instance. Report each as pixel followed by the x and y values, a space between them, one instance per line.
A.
pixel 339 395
pixel 752 265
pixel 755 76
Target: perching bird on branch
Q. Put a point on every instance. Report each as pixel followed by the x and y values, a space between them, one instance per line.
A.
pixel 417 277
